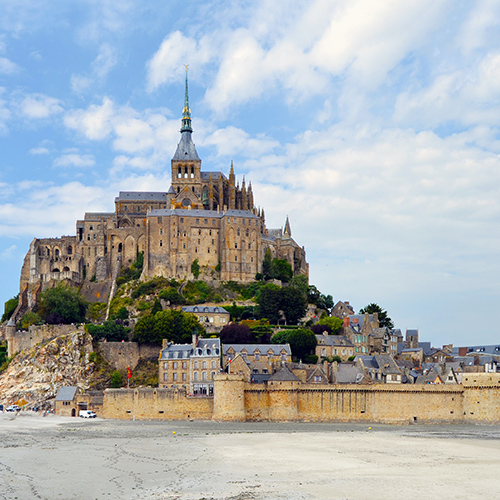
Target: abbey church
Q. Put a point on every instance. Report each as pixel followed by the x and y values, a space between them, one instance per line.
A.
pixel 204 217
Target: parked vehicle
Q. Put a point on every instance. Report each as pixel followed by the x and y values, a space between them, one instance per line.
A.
pixel 87 414
pixel 13 408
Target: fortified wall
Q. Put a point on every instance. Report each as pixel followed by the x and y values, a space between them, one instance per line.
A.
pixel 476 401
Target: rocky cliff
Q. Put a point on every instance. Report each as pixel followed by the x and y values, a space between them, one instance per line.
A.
pixel 34 378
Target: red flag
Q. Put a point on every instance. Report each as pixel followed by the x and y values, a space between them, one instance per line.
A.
pixel 129 373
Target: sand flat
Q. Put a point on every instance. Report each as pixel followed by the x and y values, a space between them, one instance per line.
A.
pixel 71 458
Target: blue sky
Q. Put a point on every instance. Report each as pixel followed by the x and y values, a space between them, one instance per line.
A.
pixel 373 125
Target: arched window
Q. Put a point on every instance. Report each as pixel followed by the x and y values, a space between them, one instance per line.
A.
pixel 57 252
pixel 120 247
pixel 204 375
pixel 185 172
pixel 192 172
pixel 70 250
pixel 195 376
pixel 179 173
pixel 66 268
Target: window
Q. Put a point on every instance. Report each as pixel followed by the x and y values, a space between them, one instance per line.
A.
pixel 236 245
pixel 161 230
pixel 206 221
pixel 182 220
pixel 174 365
pixel 213 364
pixel 183 376
pixel 204 376
pixel 204 364
pixel 174 378
pixel 236 259
pixel 184 365
pixel 165 377
pixel 165 366
pixel 195 376
pixel 160 220
pixel 197 222
pixel 161 243
pixel 212 375
pixel 256 356
pixel 196 365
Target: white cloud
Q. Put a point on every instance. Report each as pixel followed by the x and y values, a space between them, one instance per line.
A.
pixel 104 61
pixel 39 106
pixel 38 151
pixel 8 253
pixel 231 141
pixel 95 123
pixel 167 64
pixel 7 67
pixel 80 83
pixel 74 160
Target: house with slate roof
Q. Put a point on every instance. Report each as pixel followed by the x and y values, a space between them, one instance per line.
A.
pixel 65 403
pixel 380 368
pixel 213 318
pixel 329 346
pixel 255 361
pixel 191 367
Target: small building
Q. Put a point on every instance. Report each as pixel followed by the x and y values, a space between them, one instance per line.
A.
pixel 329 346
pixel 190 366
pixel 213 318
pixel 65 404
pixel 255 360
pixel 381 368
pixel 342 309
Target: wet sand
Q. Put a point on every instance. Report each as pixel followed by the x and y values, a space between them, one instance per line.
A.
pixel 70 458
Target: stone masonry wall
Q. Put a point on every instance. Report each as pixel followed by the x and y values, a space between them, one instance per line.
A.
pixel 155 404
pixel 124 354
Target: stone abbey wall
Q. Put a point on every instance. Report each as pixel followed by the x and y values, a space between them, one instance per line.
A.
pixel 476 401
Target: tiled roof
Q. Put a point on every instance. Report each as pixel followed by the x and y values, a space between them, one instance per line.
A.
pixel 283 375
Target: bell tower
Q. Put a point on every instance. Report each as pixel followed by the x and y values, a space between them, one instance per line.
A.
pixel 186 186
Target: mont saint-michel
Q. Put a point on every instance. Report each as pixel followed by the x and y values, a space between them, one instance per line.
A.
pixel 204 216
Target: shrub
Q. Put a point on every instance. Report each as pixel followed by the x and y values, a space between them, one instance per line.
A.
pixel 116 379
pixel 62 304
pixel 28 319
pixel 9 308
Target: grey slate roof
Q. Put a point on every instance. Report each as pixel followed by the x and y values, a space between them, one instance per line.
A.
pixel 141 196
pixel 204 347
pixel 215 176
pixel 167 212
pixel 334 340
pixel 203 309
pixel 489 349
pixel 186 149
pixel 348 374
pixel 66 393
pixel 284 375
pixel 263 348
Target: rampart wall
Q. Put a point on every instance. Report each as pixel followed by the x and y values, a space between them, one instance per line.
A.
pixel 23 340
pixel 476 401
pixel 155 404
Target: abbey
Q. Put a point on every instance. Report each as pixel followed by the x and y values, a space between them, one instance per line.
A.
pixel 204 217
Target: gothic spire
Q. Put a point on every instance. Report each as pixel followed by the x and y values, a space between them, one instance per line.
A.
pixel 186 112
pixel 287 231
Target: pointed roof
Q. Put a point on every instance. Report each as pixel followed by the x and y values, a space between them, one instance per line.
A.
pixel 186 111
pixel 186 149
pixel 287 231
pixel 284 375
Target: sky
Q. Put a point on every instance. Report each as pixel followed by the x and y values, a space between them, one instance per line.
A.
pixel 375 126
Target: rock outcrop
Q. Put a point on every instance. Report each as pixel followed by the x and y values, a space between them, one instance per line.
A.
pixel 36 376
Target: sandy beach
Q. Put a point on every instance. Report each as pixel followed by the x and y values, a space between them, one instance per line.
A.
pixel 69 458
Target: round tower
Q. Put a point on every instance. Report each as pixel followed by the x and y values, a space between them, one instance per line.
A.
pixel 229 397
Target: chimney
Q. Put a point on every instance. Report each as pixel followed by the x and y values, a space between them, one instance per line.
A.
pixel 195 340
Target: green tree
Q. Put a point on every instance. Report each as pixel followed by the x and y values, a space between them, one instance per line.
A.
pixel 293 304
pixel 335 324
pixel 116 379
pixel 281 270
pixel 176 326
pixel 383 318
pixel 281 337
pixel 9 308
pixel 302 343
pixel 266 264
pixel 28 319
pixel 269 303
pixel 110 331
pixel 195 268
pixel 156 307
pixel 62 304
pixel 301 283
